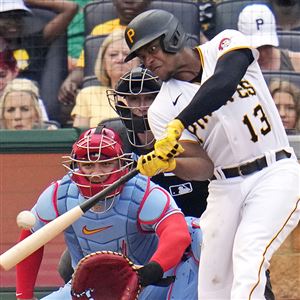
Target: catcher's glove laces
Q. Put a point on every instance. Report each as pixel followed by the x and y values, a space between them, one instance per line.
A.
pixel 87 293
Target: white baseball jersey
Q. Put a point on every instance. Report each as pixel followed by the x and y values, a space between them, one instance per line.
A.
pixel 246 127
pixel 247 217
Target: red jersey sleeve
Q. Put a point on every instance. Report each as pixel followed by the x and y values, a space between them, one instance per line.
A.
pixel 27 270
pixel 174 238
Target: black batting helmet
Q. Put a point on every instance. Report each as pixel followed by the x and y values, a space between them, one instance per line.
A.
pixel 150 25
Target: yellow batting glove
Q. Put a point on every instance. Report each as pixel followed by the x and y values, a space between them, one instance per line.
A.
pixel 150 165
pixel 169 147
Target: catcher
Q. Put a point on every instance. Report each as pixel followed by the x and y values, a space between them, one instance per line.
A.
pixel 139 219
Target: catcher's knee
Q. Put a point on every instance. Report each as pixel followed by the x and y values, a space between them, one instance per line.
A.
pixel 186 282
pixel 64 268
pixel 196 235
pixel 63 293
pixel 186 272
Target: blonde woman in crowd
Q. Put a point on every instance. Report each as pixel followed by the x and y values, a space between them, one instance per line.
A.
pixel 91 104
pixel 20 108
pixel 287 99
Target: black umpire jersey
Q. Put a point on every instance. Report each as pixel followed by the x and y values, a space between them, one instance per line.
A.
pixel 190 196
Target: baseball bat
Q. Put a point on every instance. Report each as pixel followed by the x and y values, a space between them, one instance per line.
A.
pixel 39 238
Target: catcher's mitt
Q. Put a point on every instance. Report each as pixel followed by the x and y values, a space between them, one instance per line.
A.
pixel 105 275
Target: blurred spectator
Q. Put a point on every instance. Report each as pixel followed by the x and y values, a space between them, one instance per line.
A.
pixel 126 11
pixel 9 71
pixel 91 102
pixel 257 22
pixel 207 11
pixel 19 107
pixel 8 68
pixel 31 48
pixel 76 35
pixel 287 14
pixel 287 99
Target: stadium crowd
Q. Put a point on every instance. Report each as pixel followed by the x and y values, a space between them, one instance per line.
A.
pixel 76 19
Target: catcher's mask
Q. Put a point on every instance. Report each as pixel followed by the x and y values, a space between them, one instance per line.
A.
pixel 142 86
pixel 101 149
pixel 150 25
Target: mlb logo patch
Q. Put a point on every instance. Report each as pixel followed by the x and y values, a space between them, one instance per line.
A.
pixel 181 189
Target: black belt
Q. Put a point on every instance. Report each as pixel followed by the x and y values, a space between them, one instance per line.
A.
pixel 252 166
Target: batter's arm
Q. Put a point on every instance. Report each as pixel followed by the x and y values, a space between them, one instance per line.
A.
pixel 193 163
pixel 219 88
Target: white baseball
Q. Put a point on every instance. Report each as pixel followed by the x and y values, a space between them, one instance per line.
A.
pixel 26 219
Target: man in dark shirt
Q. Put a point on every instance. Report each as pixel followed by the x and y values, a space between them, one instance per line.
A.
pixel 31 43
pixel 30 33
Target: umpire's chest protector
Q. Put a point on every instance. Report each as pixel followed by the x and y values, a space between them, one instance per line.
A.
pixel 115 230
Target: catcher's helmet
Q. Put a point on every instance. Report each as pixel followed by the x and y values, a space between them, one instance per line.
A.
pixel 150 25
pixel 138 81
pixel 97 145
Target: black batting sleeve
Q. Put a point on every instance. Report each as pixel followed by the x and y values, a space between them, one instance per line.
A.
pixel 219 88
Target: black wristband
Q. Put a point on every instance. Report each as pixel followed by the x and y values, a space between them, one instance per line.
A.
pixel 150 273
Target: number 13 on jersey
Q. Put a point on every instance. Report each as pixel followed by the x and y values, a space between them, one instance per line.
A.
pixel 258 112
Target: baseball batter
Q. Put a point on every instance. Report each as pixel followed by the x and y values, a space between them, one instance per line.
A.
pixel 218 97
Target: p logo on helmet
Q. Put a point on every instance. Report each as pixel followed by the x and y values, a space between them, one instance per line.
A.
pixel 130 34
pixel 151 25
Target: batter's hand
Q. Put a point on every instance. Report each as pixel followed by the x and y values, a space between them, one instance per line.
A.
pixel 150 165
pixel 169 147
